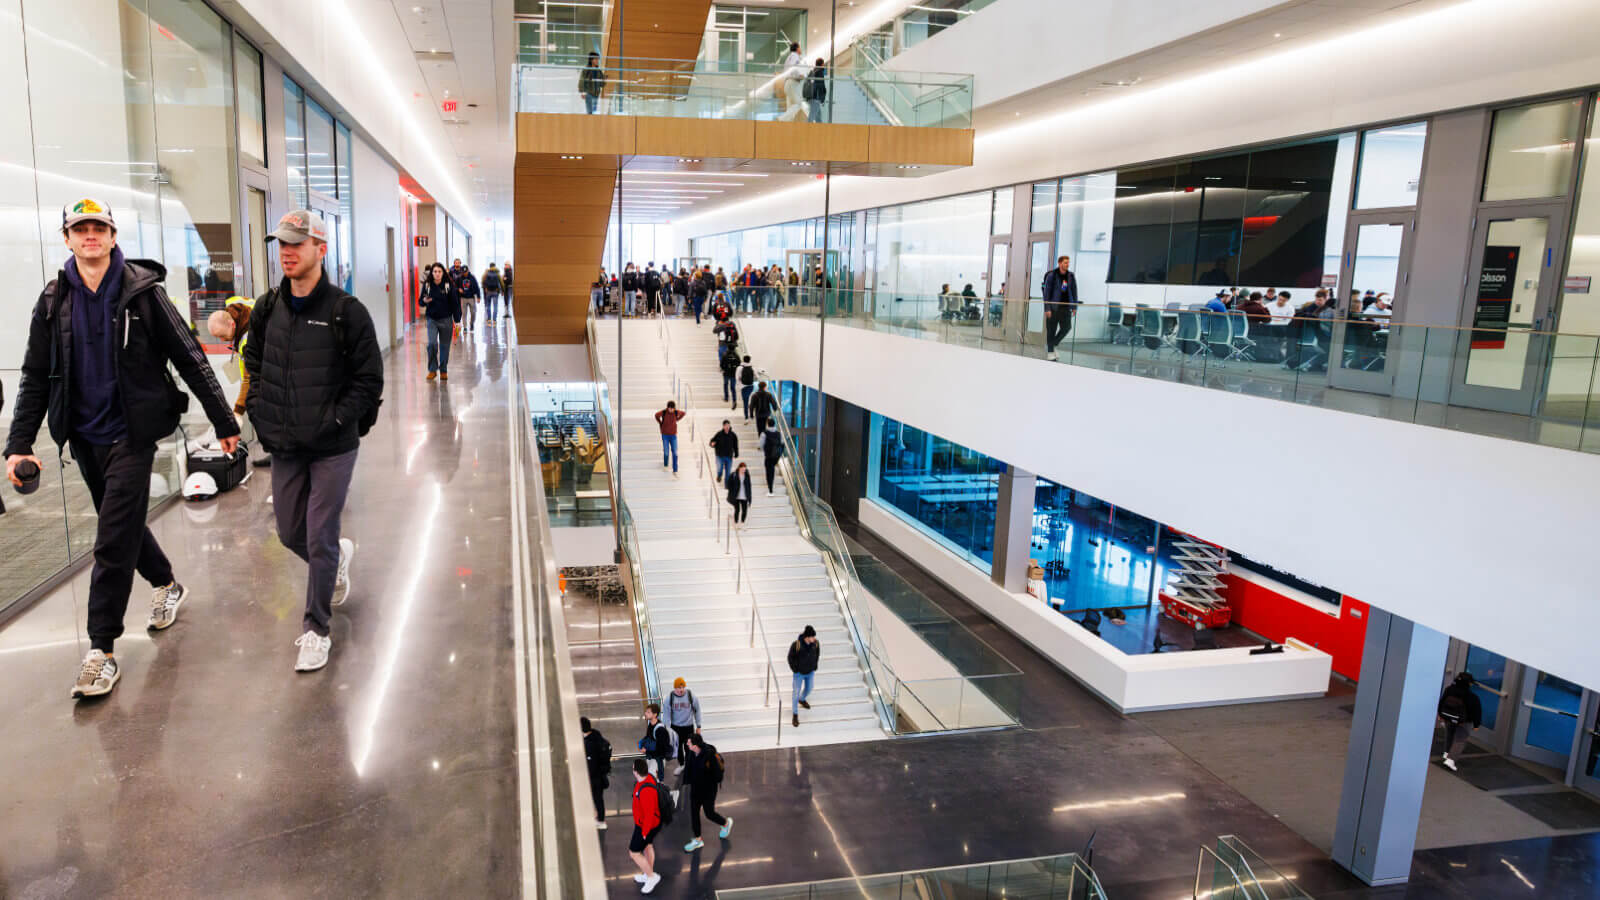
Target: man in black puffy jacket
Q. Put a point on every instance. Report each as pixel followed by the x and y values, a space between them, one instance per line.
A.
pixel 102 334
pixel 315 373
pixel 804 654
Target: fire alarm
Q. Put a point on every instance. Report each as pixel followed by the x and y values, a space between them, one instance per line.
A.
pixel 448 106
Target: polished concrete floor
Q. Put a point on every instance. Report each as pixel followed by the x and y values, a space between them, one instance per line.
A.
pixel 1077 769
pixel 215 770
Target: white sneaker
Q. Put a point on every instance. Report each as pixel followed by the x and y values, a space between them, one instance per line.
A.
pixel 650 884
pixel 164 603
pixel 1050 356
pixel 98 675
pixel 313 651
pixel 1449 763
pixel 600 825
pixel 639 879
pixel 678 770
pixel 341 581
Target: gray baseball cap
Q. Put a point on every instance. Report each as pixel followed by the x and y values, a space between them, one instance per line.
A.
pixel 298 225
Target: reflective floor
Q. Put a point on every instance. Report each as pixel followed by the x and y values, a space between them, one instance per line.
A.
pixel 214 769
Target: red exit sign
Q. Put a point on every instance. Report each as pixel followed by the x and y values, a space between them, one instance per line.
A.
pixel 448 106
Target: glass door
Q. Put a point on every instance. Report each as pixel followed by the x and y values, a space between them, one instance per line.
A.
pixel 1492 674
pixel 1547 729
pixel 1373 275
pixel 259 256
pixel 1502 347
pixel 996 288
pixel 1586 774
pixel 1039 264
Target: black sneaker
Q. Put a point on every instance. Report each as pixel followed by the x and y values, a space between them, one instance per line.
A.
pixel 804 705
pixel 796 721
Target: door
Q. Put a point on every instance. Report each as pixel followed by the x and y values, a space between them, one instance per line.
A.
pixel 996 288
pixel 1504 340
pixel 1586 774
pixel 1547 727
pixel 1493 675
pixel 808 265
pixel 261 264
pixel 1377 258
pixel 391 282
pixel 1039 264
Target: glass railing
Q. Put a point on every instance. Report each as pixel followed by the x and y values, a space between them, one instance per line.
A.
pixel 675 89
pixel 562 854
pixel 1232 871
pixel 626 529
pixel 1513 382
pixel 45 535
pixel 1064 877
pixel 899 99
pixel 983 691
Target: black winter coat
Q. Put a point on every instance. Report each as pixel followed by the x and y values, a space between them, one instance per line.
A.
pixel 440 300
pixel 702 774
pixel 803 657
pixel 597 757
pixel 725 443
pixel 312 379
pixel 736 481
pixel 762 403
pixel 153 335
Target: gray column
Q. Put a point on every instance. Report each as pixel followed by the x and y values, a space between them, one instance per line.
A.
pixel 1386 766
pixel 1013 530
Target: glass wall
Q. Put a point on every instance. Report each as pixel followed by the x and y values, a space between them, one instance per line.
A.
pixel 750 38
pixel 294 142
pixel 251 107
pixel 558 33
pixel 943 488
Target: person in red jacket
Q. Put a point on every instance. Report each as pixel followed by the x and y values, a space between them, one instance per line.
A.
pixel 646 825
pixel 668 420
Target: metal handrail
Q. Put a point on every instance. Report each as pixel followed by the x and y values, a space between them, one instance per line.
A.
pixel 771 682
pixel 1199 867
pixel 841 570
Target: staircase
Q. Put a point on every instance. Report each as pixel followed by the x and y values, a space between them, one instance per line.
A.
pixel 698 596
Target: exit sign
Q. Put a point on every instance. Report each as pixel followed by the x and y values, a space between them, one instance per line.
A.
pixel 448 106
pixel 422 240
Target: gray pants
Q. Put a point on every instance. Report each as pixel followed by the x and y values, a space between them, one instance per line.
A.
pixel 308 497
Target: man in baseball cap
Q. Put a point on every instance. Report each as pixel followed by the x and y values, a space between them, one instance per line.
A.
pixel 102 335
pixel 316 379
pixel 298 226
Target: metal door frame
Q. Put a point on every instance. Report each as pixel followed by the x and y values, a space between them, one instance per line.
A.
pixel 829 273
pixel 993 330
pixel 1524 399
pixel 254 245
pixel 1030 336
pixel 1497 738
pixel 1588 740
pixel 1356 379
pixel 1520 747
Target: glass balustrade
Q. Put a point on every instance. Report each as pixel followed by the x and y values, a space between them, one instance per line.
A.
pixel 1550 381
pixel 854 95
pixel 1064 877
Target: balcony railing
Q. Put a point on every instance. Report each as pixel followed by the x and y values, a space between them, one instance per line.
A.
pixel 676 89
pixel 1512 381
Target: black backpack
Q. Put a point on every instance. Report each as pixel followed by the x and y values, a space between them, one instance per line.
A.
pixel 664 804
pixel 1453 707
pixel 263 310
pixel 747 376
pixel 720 768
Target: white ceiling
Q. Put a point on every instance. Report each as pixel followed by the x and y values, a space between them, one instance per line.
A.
pixel 463 57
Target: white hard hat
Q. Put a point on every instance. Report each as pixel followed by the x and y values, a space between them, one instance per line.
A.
pixel 199 486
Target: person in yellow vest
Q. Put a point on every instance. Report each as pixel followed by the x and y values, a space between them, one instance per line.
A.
pixel 232 324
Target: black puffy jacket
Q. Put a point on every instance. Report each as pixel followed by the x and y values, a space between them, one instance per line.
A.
pixel 153 334
pixel 312 377
pixel 803 657
pixel 440 300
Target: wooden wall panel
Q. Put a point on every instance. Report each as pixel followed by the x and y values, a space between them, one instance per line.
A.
pixel 562 208
pixel 656 29
pixel 561 133
pixel 929 146
pixel 724 138
pixel 807 141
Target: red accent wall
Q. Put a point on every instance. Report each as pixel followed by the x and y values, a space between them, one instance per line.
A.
pixel 1274 616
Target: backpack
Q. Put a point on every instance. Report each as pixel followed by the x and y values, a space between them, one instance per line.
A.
pixel 720 768
pixel 263 311
pixel 491 282
pixel 808 90
pixel 672 742
pixel 664 804
pixel 606 752
pixel 747 376
pixel 1453 708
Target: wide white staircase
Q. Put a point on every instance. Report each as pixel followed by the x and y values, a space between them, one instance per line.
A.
pixel 698 593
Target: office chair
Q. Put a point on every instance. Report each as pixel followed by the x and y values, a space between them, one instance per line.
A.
pixel 1148 325
pixel 1091 622
pixel 1218 335
pixel 1189 333
pixel 1241 347
pixel 1114 325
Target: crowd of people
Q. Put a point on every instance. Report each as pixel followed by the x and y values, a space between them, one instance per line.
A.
pixel 1299 335
pixel 449 300
pixel 673 735
pixel 650 292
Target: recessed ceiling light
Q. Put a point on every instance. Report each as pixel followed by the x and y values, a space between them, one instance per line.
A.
pixel 1277 34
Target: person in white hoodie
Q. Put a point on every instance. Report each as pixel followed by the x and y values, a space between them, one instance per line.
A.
pixel 794 76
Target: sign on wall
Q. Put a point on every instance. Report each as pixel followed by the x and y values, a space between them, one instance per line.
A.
pixel 422 240
pixel 1497 280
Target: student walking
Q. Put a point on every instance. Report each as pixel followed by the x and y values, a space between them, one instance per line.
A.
pixel 597 753
pixel 1461 711
pixel 1060 299
pixel 467 287
pixel 771 451
pixel 706 770
pixel 739 494
pixel 668 420
pixel 491 292
pixel 763 405
pixel 316 377
pixel 728 362
pixel 803 656
pixel 592 83
pixel 725 447
pixel 657 740
pixel 95 367
pixel 441 305
pixel 648 804
pixel 683 717
pixel 747 385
